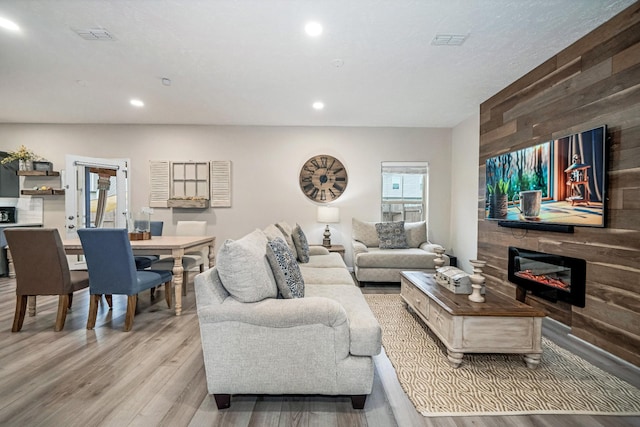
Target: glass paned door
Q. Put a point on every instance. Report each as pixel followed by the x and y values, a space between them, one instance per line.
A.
pixel 97 193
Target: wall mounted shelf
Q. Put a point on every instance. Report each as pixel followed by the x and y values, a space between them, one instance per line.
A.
pixel 49 192
pixel 184 203
pixel 38 173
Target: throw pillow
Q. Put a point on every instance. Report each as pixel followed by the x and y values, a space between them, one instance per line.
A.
pixel 391 235
pixel 244 269
pixel 416 233
pixel 365 232
pixel 286 232
pixel 272 232
pixel 285 269
pixel 301 244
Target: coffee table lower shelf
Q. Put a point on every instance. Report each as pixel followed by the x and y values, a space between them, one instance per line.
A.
pixel 499 325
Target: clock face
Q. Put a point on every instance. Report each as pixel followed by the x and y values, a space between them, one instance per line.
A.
pixel 323 178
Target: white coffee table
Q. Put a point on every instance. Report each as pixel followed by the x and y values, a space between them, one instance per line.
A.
pixel 499 325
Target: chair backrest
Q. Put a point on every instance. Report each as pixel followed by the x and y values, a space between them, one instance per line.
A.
pixel 156 228
pixel 112 269
pixel 39 261
pixel 191 228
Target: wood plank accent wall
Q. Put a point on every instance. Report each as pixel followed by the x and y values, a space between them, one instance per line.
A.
pixel 595 81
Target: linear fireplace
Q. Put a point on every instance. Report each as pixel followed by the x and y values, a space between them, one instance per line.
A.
pixel 552 277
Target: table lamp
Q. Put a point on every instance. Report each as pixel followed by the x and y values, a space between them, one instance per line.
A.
pixel 328 215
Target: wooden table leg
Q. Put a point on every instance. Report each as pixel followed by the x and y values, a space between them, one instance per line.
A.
pixel 31 305
pixel 12 271
pixel 455 358
pixel 177 278
pixel 532 360
pixel 212 255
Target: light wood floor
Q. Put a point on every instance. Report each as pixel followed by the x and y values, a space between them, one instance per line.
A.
pixel 154 375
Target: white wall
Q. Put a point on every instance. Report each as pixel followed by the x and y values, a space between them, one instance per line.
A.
pixel 465 143
pixel 266 163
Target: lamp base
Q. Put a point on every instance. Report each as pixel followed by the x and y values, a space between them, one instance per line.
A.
pixel 326 242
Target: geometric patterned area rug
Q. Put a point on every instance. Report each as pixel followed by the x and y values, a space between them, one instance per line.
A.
pixel 493 384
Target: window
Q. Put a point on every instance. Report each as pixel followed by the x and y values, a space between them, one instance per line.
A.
pixel 404 188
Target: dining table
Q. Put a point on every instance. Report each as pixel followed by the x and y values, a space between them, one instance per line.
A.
pixel 174 246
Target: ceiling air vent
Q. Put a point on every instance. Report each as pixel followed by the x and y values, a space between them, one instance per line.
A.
pixel 95 34
pixel 449 39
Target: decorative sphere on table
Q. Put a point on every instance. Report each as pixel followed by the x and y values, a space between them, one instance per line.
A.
pixel 477 280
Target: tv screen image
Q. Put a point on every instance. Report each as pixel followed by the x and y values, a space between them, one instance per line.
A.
pixel 557 182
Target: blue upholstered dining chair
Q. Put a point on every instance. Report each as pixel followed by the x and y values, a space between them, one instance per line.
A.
pixel 145 261
pixel 112 270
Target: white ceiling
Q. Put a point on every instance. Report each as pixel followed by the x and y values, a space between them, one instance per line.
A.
pixel 248 62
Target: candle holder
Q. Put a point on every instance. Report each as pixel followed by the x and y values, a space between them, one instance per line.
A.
pixel 477 280
pixel 439 260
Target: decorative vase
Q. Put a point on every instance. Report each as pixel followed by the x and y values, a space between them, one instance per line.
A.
pixel 439 260
pixel 25 165
pixel 477 280
pixel 498 204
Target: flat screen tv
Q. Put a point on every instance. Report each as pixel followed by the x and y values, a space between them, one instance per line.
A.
pixel 560 182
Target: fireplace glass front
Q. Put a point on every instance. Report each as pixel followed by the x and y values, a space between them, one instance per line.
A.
pixel 549 276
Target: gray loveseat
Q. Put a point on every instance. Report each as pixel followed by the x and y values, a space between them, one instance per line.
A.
pixel 371 263
pixel 322 343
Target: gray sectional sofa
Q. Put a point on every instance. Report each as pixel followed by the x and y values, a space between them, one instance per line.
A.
pixel 255 342
pixel 374 263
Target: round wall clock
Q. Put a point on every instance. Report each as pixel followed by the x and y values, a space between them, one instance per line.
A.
pixel 323 178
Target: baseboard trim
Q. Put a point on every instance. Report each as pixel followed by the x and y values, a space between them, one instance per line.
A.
pixel 561 335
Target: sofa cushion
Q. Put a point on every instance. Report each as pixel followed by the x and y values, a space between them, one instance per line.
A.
pixel 244 269
pixel 285 269
pixel 364 232
pixel 272 232
pixel 326 276
pixel 301 244
pixel 416 233
pixel 391 235
pixel 318 250
pixel 364 329
pixel 287 230
pixel 407 259
pixel 330 260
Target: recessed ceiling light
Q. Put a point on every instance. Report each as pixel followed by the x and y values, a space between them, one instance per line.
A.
pixel 314 29
pixel 136 103
pixel 318 105
pixel 8 25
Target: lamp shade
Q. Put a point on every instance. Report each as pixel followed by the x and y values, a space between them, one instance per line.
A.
pixel 328 214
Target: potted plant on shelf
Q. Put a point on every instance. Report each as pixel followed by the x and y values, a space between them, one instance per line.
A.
pixel 23 155
pixel 498 198
pixel 499 173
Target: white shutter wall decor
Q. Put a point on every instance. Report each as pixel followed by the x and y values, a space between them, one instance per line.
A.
pixel 159 180
pixel 221 183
